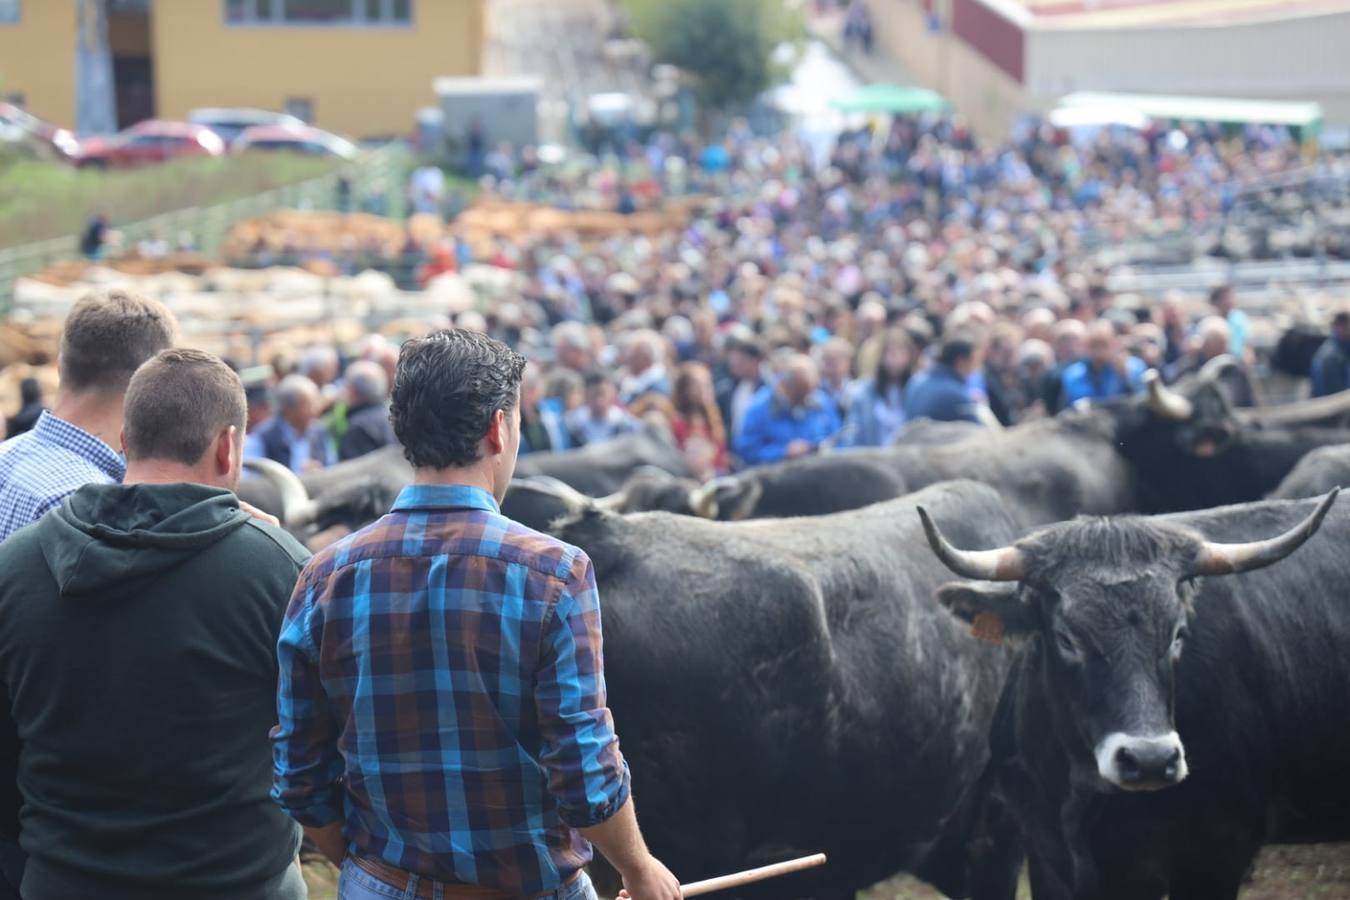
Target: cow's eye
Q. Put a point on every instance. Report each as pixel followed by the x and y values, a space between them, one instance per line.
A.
pixel 1066 645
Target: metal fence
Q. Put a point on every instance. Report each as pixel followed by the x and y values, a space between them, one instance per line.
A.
pixel 378 172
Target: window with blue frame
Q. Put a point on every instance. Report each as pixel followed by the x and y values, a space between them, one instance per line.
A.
pixel 318 12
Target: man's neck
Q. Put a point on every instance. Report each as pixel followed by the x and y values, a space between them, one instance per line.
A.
pixel 99 414
pixel 455 476
pixel 159 471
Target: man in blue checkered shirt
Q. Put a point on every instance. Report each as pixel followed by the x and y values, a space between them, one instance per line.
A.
pixel 105 339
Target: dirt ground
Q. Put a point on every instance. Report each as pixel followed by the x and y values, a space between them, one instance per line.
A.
pixel 1282 873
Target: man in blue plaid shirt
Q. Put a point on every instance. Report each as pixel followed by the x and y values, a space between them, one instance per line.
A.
pixel 443 729
pixel 105 339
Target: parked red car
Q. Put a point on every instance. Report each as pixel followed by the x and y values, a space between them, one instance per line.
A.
pixel 150 141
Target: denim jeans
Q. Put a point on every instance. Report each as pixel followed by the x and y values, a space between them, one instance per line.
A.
pixel 358 884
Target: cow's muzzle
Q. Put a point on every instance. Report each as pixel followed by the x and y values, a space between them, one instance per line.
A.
pixel 1134 763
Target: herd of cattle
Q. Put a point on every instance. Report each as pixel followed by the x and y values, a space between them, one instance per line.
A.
pixel 1128 705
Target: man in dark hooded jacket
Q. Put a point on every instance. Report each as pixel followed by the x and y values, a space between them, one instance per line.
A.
pixel 138 626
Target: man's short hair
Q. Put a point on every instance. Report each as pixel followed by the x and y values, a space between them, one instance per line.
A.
pixel 449 385
pixel 749 345
pixel 108 335
pixel 178 403
pixel 571 334
pixel 367 381
pixel 316 357
pixel 955 349
pixel 294 388
pixel 594 378
pixel 1216 326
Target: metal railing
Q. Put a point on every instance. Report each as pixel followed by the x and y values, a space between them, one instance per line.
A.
pixel 208 225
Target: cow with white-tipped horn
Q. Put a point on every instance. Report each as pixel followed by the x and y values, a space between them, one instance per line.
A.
pixel 1176 682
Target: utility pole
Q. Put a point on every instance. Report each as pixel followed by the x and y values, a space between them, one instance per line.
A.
pixel 95 99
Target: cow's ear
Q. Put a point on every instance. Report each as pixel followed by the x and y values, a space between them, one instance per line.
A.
pixel 995 612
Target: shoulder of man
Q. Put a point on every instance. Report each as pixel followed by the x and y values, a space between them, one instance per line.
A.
pixel 17 553
pixel 543 553
pixel 276 542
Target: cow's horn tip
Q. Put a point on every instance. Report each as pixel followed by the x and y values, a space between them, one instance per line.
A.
pixel 929 527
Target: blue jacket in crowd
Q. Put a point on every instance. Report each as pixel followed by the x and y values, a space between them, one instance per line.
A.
pixel 870 422
pixel 1331 368
pixel 1081 383
pixel 770 425
pixel 551 418
pixel 938 393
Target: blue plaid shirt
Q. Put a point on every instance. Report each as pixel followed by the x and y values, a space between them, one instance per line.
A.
pixel 40 467
pixel 442 694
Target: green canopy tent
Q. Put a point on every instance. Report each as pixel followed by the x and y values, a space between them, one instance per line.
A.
pixel 890 98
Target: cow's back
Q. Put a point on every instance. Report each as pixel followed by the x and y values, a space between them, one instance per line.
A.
pixel 787 685
pixel 1318 472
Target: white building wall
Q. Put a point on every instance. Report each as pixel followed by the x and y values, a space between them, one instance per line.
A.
pixel 1305 58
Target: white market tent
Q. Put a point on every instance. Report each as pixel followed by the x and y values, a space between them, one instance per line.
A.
pixel 1305 117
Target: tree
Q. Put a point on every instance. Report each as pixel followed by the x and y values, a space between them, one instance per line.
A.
pixel 725 46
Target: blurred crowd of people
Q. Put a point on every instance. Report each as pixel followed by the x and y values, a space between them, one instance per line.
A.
pixel 824 299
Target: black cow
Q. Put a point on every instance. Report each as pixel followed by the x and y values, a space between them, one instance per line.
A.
pixel 1193 450
pixel 1046 470
pixel 927 432
pixel 1295 349
pixel 1318 472
pixel 1161 725
pixel 792 686
pixel 1162 451
pixel 353 493
pixel 349 494
pixel 601 469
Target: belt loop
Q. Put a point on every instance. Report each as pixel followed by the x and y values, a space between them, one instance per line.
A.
pixel 437 891
pixel 410 892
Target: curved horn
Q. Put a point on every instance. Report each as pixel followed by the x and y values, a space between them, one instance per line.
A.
pixel 1165 402
pixel 297 509
pixel 1300 411
pixel 1217 366
pixel 1227 559
pixel 574 499
pixel 703 499
pixel 614 502
pixel 1003 564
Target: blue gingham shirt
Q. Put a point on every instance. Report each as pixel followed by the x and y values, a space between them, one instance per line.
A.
pixel 442 694
pixel 40 467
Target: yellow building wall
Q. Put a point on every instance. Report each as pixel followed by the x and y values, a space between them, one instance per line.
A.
pixel 37 60
pixel 363 82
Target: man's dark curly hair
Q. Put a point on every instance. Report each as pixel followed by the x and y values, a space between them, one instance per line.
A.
pixel 448 386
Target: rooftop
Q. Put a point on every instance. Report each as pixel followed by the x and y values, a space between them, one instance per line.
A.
pixel 1145 13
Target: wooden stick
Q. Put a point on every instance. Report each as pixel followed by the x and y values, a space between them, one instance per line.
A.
pixel 722 882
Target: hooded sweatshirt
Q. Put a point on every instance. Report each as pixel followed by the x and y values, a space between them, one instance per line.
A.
pixel 138 630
